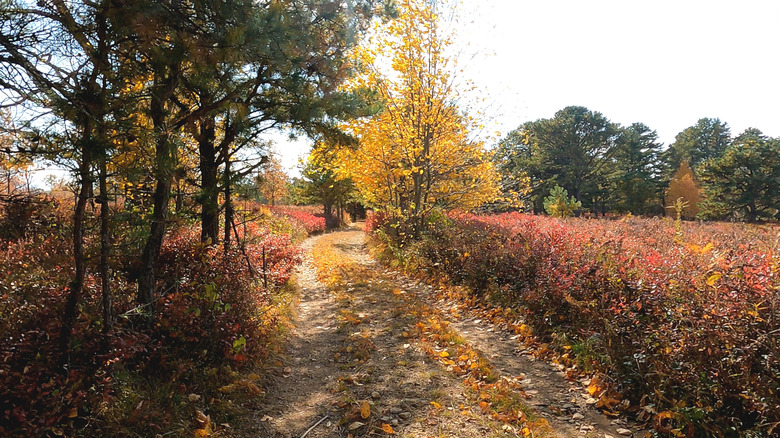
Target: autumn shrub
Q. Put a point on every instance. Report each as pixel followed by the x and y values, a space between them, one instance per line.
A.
pixel 216 311
pixel 29 215
pixel 373 221
pixel 311 218
pixel 687 328
pixel 215 299
pixel 42 391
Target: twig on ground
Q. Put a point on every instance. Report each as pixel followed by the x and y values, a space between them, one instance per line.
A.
pixel 315 425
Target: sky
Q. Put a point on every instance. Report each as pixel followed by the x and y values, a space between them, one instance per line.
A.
pixel 662 63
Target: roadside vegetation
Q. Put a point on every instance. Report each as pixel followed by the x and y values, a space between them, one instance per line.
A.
pixel 146 293
pixel 679 321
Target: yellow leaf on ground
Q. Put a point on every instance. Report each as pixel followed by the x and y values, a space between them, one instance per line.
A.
pixel 713 278
pixel 444 354
pixel 365 410
pixel 73 413
pixel 388 429
pixel 436 405
pixel 596 386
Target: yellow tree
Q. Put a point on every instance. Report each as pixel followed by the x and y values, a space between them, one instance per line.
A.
pixel 273 180
pixel 683 186
pixel 416 153
pixel 13 169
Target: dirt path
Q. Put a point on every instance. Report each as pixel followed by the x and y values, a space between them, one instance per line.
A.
pixel 358 364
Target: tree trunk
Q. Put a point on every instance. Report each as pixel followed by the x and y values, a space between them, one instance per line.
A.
pixel 209 214
pixel 105 248
pixel 228 205
pixel 752 215
pixel 164 163
pixel 179 197
pixel 77 284
pixel 146 283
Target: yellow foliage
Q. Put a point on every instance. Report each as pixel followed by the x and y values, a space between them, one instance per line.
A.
pixel 416 152
pixel 683 186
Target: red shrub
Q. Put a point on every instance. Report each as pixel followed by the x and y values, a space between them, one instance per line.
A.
pixel 215 299
pixel 210 303
pixel 311 218
pixel 687 320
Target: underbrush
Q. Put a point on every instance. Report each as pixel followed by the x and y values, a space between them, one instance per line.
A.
pixel 193 368
pixel 310 218
pixel 682 320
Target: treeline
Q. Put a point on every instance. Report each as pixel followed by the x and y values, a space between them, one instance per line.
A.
pixel 606 167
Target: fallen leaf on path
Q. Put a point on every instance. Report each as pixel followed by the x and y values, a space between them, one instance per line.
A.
pixel 596 386
pixel 356 425
pixel 251 387
pixel 365 410
pixel 388 429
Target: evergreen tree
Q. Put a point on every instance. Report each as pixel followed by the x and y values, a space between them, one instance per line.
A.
pixel 558 204
pixel 708 138
pixel 745 180
pixel 573 149
pixel 636 181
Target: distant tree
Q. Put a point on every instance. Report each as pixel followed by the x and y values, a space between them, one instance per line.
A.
pixel 512 159
pixel 745 180
pixel 708 138
pixel 636 180
pixel 12 166
pixel 272 181
pixel 320 184
pixel 683 186
pixel 573 150
pixel 558 204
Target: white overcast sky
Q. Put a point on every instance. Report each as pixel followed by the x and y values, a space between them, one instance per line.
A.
pixel 663 63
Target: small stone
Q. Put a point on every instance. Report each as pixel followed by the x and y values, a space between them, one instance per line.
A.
pixel 624 432
pixel 405 415
pixel 193 398
pixel 394 422
pixel 577 416
pixel 375 395
pixel 395 410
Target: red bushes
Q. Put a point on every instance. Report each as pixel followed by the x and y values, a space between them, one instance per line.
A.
pixel 215 299
pixel 310 218
pixel 684 321
pixel 211 312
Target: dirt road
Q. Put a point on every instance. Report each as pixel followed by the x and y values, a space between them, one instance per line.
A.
pixel 372 353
